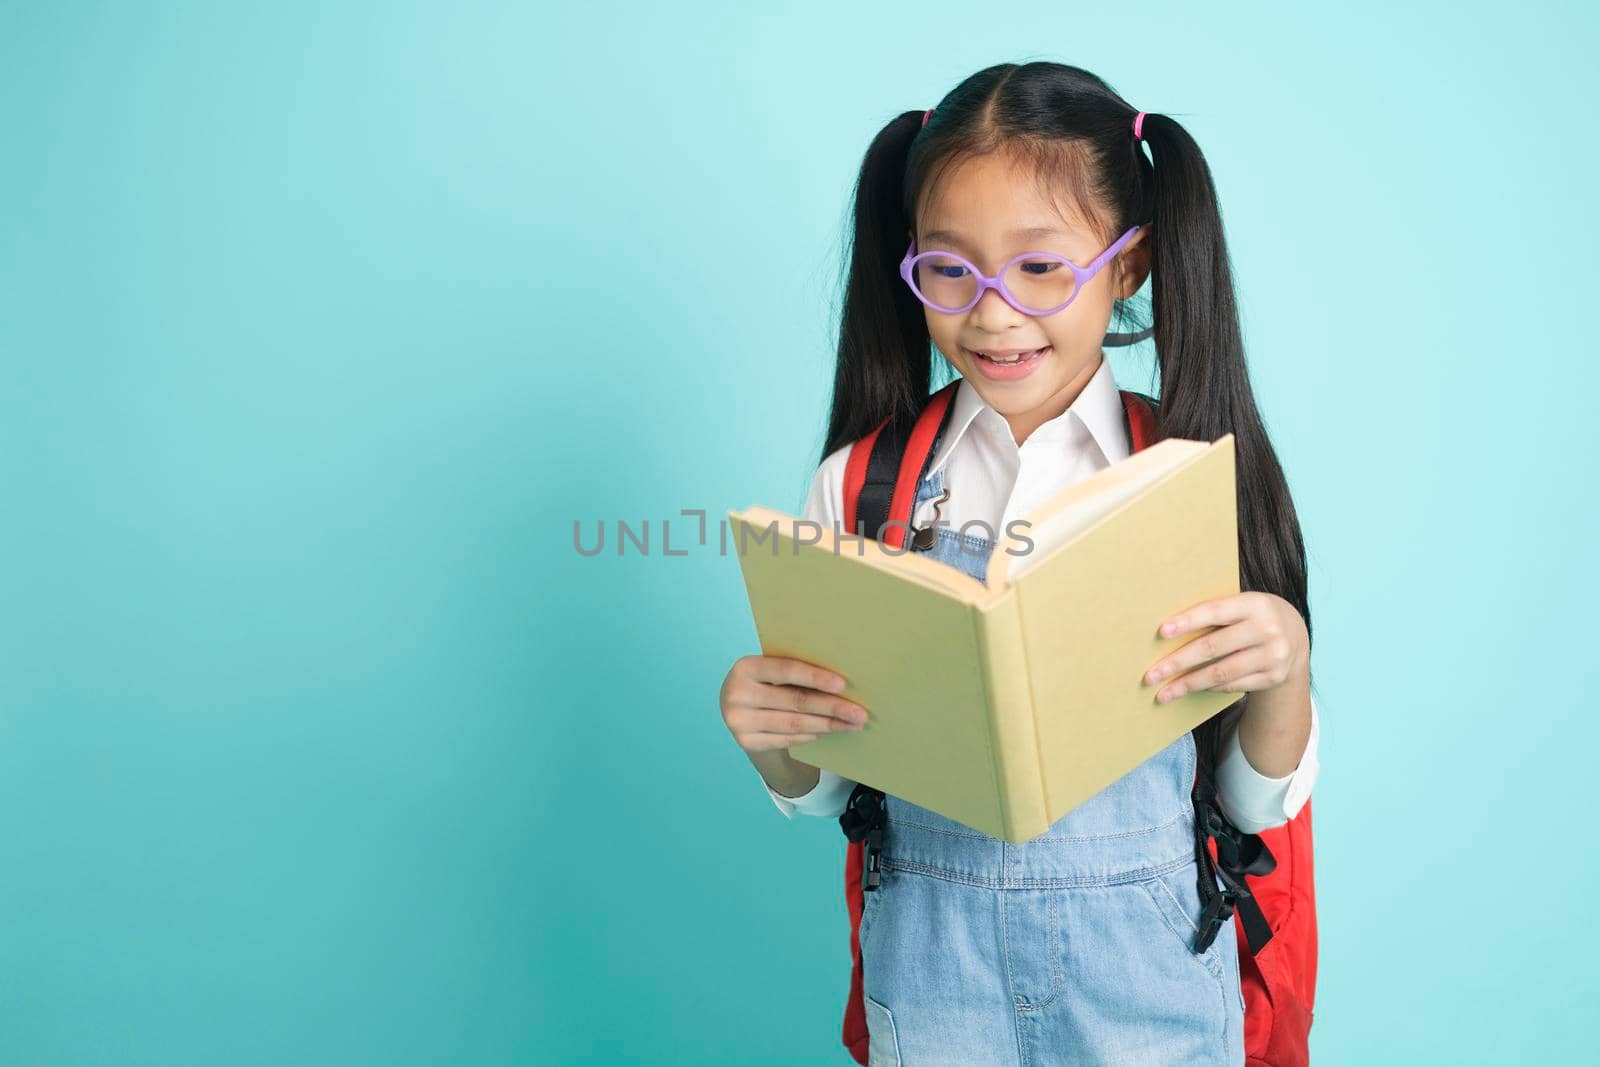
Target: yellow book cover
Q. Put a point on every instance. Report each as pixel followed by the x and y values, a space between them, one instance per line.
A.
pixel 1006 703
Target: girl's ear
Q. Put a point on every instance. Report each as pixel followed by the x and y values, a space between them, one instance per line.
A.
pixel 1132 265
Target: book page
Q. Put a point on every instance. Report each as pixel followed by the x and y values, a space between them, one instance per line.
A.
pixel 1078 507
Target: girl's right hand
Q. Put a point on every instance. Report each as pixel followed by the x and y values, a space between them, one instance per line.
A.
pixel 772 702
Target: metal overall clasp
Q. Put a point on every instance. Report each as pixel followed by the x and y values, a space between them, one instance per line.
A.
pixel 922 540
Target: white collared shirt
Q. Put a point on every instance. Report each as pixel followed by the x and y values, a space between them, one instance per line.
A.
pixel 994 480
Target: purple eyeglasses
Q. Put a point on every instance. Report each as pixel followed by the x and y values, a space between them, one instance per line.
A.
pixel 954 285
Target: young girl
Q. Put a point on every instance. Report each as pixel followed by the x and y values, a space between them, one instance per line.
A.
pixel 1074 947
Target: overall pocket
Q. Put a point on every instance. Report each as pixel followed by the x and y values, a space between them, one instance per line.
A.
pixel 883 1045
pixel 1176 898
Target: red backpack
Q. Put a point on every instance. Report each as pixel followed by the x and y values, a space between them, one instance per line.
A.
pixel 1266 876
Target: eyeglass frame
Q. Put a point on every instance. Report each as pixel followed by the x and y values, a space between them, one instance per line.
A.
pixel 1082 276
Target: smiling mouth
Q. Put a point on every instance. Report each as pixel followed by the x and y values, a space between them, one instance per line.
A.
pixel 1011 359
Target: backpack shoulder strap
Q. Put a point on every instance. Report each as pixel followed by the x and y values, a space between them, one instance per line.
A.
pixel 1139 412
pixel 880 477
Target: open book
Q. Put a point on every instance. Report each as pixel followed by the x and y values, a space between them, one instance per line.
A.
pixel 1006 703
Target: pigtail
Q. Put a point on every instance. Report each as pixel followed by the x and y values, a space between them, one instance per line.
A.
pixel 1205 386
pixel 885 355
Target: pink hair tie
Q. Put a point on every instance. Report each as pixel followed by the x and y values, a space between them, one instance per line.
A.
pixel 1138 125
pixel 927 115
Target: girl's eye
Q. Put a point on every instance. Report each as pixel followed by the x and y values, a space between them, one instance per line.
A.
pixel 1039 266
pixel 950 272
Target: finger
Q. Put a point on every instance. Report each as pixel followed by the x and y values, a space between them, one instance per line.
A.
pixel 782 670
pixel 1250 683
pixel 746 691
pixel 765 742
pixel 1218 612
pixel 1217 675
pixel 810 701
pixel 1214 645
pixel 769 720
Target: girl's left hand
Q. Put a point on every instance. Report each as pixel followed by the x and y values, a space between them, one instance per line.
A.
pixel 1260 643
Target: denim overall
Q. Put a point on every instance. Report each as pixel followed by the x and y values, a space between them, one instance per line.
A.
pixel 1073 948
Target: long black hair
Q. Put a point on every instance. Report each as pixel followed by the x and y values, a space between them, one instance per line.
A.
pixel 1072 126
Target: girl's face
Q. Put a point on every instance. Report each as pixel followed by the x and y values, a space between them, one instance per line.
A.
pixel 988 209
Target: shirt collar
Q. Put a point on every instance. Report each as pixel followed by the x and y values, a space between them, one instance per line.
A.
pixel 1097 409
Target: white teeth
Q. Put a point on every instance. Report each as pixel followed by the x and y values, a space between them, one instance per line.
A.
pixel 1018 358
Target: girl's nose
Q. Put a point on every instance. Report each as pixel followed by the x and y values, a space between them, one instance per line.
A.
pixel 991 312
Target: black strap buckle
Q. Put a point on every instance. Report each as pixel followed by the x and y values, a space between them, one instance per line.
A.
pixel 870 865
pixel 863 820
pixel 1238 854
pixel 1217 910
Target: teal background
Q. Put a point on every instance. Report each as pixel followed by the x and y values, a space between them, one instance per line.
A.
pixel 321 324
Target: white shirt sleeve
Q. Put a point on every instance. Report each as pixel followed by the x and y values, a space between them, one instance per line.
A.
pixel 827 797
pixel 824 505
pixel 1252 801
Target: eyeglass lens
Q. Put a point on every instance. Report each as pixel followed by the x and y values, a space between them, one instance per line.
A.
pixel 1037 283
